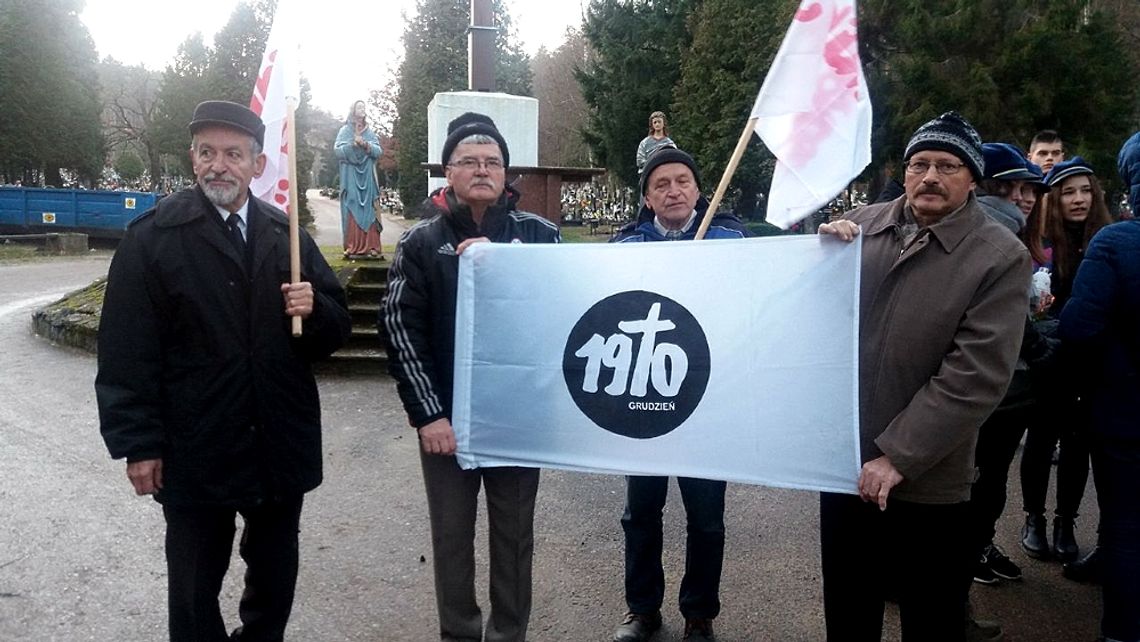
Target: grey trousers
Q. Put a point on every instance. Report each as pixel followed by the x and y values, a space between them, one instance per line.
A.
pixel 453 499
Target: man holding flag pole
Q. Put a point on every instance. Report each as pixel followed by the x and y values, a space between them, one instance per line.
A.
pixel 670 187
pixel 205 384
pixel 204 389
pixel 813 112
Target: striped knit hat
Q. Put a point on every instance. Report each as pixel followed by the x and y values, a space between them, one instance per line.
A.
pixel 950 133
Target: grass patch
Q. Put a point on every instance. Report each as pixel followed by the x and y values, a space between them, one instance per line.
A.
pixel 18 252
pixel 334 254
pixel 581 234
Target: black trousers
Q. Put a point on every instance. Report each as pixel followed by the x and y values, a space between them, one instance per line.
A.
pixel 199 540
pixel 998 440
pixel 1116 473
pixel 699 596
pixel 919 552
pixel 1062 417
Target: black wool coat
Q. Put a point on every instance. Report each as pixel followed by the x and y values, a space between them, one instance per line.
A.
pixel 197 365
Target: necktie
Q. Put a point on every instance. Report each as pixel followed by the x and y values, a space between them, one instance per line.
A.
pixel 232 225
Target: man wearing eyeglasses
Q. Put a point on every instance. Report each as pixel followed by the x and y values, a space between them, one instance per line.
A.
pixel 418 318
pixel 942 306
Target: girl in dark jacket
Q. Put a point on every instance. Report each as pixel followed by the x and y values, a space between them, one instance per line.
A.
pixel 1076 210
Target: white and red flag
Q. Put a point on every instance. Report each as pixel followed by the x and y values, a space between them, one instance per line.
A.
pixel 813 111
pixel 278 82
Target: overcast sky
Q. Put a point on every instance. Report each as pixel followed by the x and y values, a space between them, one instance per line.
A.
pixel 148 32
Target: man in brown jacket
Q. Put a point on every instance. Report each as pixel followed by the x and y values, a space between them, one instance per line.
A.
pixel 942 305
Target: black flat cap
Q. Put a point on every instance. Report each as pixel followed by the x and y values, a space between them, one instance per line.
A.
pixel 226 114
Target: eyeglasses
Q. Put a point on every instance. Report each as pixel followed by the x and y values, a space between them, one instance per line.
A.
pixel 471 164
pixel 920 168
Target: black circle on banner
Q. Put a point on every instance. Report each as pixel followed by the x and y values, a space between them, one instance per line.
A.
pixel 637 364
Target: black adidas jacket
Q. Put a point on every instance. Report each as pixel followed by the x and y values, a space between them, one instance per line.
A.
pixel 418 313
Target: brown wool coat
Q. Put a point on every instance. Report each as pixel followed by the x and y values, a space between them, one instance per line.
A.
pixel 940 329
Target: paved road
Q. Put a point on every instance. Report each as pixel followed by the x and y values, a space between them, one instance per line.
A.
pixel 81 557
pixel 326 215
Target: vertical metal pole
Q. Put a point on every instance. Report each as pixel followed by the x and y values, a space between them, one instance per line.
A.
pixel 481 47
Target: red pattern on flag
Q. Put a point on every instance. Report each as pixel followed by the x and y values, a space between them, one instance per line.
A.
pixel 276 82
pixel 813 111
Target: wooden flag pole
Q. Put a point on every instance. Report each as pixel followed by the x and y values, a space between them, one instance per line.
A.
pixel 294 205
pixel 729 171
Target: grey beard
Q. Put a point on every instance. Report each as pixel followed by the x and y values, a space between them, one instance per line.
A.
pixel 222 196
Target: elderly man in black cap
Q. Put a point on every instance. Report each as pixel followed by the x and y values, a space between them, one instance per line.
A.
pixel 942 306
pixel 204 390
pixel 418 319
pixel 674 206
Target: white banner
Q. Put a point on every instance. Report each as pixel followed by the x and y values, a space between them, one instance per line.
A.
pixel 278 82
pixel 813 111
pixel 728 359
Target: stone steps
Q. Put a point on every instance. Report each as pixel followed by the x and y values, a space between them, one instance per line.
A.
pixel 364 351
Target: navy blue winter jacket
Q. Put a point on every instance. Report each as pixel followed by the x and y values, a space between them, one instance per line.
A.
pixel 1128 164
pixel 722 226
pixel 1103 316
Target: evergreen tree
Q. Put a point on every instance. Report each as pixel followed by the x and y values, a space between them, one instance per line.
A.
pixel 1010 67
pixel 304 118
pixel 49 93
pixel 512 67
pixel 129 166
pixel 382 115
pixel 637 48
pixel 184 85
pixel 236 56
pixel 720 78
pixel 435 60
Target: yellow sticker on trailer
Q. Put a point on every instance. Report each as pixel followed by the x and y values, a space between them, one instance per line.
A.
pixel 48 217
pixel 129 202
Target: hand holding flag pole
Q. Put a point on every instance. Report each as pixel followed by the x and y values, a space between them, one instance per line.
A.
pixel 275 96
pixel 294 225
pixel 813 112
pixel 726 178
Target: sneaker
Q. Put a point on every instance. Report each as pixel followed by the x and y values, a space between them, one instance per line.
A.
pixel 983 574
pixel 638 627
pixel 1000 563
pixel 699 629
